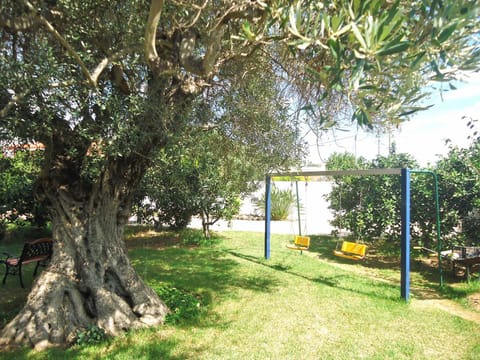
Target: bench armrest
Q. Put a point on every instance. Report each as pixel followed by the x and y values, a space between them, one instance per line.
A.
pixel 8 255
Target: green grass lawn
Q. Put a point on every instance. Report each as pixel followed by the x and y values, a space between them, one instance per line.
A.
pixel 293 306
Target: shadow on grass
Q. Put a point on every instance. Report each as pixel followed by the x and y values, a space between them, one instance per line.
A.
pixel 352 283
pixel 152 350
pixel 323 245
pixel 127 348
pixel 160 349
pixel 205 271
pixel 425 277
pixel 13 296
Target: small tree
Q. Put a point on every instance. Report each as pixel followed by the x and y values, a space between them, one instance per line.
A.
pixel 191 180
pixel 206 174
pixel 367 206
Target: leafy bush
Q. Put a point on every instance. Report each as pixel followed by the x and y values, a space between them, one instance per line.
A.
pixel 194 237
pixel 3 229
pixel 90 336
pixel 369 206
pixel 22 230
pixel 17 182
pixel 183 306
pixel 281 203
pixel 177 215
pixel 471 224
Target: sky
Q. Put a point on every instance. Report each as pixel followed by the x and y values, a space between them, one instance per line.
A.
pixel 423 136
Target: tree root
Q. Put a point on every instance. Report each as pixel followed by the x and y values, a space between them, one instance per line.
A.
pixel 59 306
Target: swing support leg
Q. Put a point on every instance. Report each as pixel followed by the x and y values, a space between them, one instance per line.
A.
pixel 298 211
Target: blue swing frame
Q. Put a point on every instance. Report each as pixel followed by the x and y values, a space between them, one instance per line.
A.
pixel 405 214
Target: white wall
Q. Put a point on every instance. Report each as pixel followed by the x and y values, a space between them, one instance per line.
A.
pixel 314 218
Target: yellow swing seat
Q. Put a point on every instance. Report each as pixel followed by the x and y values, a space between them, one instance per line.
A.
pixel 300 243
pixel 352 251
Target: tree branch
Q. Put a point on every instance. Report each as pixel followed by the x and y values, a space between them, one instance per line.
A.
pixel 15 99
pixel 151 33
pixel 102 65
pixel 199 12
pixel 22 23
pixel 244 11
pixel 114 57
pixel 186 52
pixel 200 66
pixel 213 49
pixel 62 41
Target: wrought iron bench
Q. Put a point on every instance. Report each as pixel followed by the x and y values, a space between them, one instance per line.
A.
pixel 39 251
pixel 466 257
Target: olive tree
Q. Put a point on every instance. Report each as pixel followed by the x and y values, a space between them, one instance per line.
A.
pixel 105 85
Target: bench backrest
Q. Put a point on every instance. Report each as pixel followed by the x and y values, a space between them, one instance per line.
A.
pixel 354 248
pixel 465 252
pixel 39 248
pixel 302 240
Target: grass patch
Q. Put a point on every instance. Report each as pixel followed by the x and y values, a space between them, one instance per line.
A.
pixel 21 231
pixel 233 304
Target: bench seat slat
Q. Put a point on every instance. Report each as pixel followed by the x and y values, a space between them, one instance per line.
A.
pixel 34 259
pixel 12 262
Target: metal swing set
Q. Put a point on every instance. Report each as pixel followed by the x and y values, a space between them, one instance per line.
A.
pixel 300 242
pixel 350 250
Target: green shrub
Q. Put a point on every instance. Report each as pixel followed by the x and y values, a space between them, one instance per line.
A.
pixel 21 230
pixel 3 229
pixel 281 203
pixel 194 237
pixel 470 226
pixel 183 306
pixel 90 336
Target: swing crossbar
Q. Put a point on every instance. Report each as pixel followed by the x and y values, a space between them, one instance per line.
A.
pixel 352 251
pixel 300 243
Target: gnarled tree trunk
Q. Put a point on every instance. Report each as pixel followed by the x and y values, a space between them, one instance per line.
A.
pixel 90 280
